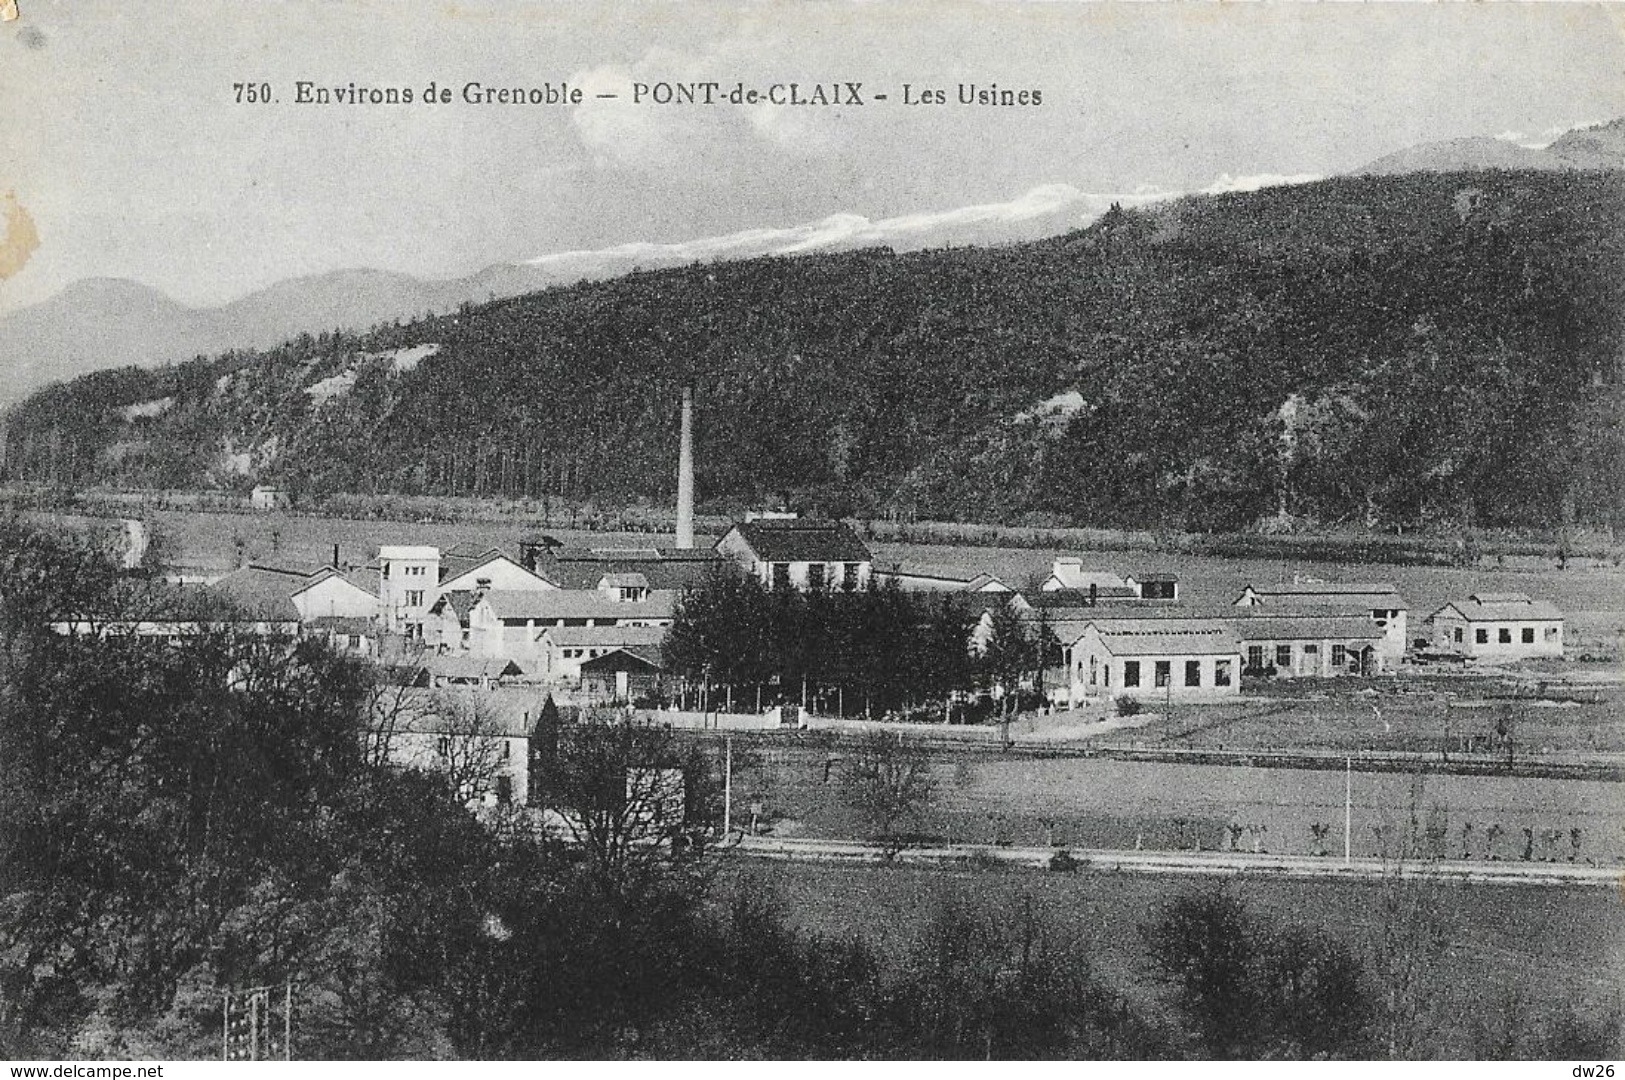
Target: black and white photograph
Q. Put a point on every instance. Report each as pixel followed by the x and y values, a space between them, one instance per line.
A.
pixel 542 531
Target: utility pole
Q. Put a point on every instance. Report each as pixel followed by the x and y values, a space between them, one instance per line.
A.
pixel 1348 810
pixel 728 787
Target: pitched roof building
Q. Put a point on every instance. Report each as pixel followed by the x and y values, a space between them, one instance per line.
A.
pixel 799 553
pixel 1498 626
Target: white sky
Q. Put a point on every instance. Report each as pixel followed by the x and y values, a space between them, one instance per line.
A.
pixel 119 135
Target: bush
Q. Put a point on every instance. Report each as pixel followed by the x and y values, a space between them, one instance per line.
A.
pixel 1127 706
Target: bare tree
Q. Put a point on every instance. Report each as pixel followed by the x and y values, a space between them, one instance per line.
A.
pixel 888 780
pixel 627 797
pixel 472 742
pixel 1413 929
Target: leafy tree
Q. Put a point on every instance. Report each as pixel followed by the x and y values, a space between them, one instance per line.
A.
pixel 1250 990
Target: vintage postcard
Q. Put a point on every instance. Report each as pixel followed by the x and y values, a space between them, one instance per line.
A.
pixel 902 531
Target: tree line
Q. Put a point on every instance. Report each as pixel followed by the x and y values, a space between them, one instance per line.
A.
pixel 876 651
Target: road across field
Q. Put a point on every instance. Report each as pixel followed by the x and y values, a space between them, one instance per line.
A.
pixel 1214 863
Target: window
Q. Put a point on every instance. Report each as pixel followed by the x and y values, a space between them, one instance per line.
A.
pixel 1283 656
pixel 1551 633
pixel 815 575
pixel 1458 635
pixel 1193 670
pixel 1529 635
pixel 1221 673
pixel 1131 673
pixel 504 789
pixel 1504 637
pixel 1340 655
pixel 506 747
pixel 781 575
pixel 444 746
pixel 1481 636
pixel 414 597
pixel 849 575
pixel 1255 658
pixel 1164 672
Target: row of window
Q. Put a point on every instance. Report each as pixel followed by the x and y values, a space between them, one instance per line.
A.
pixel 1162 673
pixel 582 654
pixel 1503 635
pixel 1311 655
pixel 818 575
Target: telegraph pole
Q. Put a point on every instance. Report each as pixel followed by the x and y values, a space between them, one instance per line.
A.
pixel 1348 810
pixel 728 787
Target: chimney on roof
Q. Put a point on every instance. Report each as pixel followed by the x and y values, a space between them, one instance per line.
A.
pixel 335 556
pixel 1094 594
pixel 685 475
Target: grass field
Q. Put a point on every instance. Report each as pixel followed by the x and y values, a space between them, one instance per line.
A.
pixel 1549 949
pixel 991 798
pixel 1414 713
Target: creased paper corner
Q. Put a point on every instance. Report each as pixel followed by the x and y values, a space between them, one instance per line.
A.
pixel 8 10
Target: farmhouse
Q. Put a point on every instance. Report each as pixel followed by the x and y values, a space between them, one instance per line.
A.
pixel 584 568
pixel 799 553
pixel 346 634
pixel 622 675
pixel 266 497
pixel 331 593
pixel 481 738
pixel 1068 575
pixel 1498 626
pixel 565 649
pixel 508 624
pixel 492 569
pixel 1381 601
pixel 1153 659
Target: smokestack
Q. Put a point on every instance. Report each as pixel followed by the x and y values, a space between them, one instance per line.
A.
pixel 685 475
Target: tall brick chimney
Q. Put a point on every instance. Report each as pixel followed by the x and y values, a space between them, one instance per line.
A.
pixel 685 474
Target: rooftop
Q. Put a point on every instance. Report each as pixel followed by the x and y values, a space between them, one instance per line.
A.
pixel 1479 609
pixel 1213 643
pixel 511 605
pixel 572 637
pixel 791 540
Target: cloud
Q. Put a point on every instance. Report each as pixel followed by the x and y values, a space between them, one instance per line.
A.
pixel 1069 206
pixel 1226 183
pixel 1547 137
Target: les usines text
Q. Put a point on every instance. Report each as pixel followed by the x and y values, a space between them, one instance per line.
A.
pixel 834 93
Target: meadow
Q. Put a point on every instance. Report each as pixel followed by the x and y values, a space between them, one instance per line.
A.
pixel 1069 801
pixel 1512 959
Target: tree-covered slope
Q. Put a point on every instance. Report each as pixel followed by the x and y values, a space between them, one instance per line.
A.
pixel 1406 349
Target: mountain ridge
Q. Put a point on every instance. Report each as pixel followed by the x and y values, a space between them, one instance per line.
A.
pixel 1391 349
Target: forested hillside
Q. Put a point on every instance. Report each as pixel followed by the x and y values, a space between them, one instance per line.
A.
pixel 1423 349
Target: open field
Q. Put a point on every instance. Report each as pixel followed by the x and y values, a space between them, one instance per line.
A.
pixel 1553 947
pixel 1415 713
pixel 991 798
